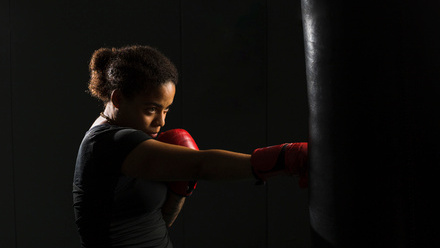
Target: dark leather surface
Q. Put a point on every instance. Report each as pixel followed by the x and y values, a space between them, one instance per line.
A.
pixel 373 73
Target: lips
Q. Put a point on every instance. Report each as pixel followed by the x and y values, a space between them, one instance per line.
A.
pixel 153 135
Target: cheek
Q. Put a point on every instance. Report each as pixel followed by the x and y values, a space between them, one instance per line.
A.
pixel 147 120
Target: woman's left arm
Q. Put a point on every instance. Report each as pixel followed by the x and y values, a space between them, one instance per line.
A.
pixel 171 208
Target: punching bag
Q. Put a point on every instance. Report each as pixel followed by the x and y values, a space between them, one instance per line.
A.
pixel 373 72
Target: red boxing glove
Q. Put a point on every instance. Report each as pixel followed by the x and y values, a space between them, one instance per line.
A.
pixel 182 138
pixel 290 158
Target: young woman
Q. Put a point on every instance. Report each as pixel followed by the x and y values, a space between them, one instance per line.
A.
pixel 130 182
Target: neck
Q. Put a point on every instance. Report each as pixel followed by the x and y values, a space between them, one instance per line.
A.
pixel 109 114
pixel 110 111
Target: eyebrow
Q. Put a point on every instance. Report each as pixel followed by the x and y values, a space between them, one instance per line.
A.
pixel 157 104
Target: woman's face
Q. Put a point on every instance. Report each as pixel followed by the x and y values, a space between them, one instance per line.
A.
pixel 147 111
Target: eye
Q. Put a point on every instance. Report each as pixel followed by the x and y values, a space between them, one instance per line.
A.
pixel 150 110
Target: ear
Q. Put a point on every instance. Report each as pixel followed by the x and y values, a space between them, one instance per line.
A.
pixel 116 98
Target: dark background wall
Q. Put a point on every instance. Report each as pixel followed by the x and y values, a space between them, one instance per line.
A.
pixel 242 86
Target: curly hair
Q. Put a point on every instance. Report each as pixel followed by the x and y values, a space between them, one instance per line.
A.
pixel 131 69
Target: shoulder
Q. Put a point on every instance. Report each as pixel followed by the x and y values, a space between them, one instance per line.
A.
pixel 114 132
pixel 113 137
pixel 109 144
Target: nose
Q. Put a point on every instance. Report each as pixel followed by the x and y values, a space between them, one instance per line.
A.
pixel 160 119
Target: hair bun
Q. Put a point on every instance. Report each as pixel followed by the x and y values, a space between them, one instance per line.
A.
pixel 99 86
pixel 101 58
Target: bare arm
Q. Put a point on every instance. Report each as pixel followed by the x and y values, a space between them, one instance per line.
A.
pixel 172 207
pixel 154 160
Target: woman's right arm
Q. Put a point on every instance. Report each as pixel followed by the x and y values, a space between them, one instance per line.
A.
pixel 159 161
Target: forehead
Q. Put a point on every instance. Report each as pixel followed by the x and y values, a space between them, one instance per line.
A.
pixel 161 94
